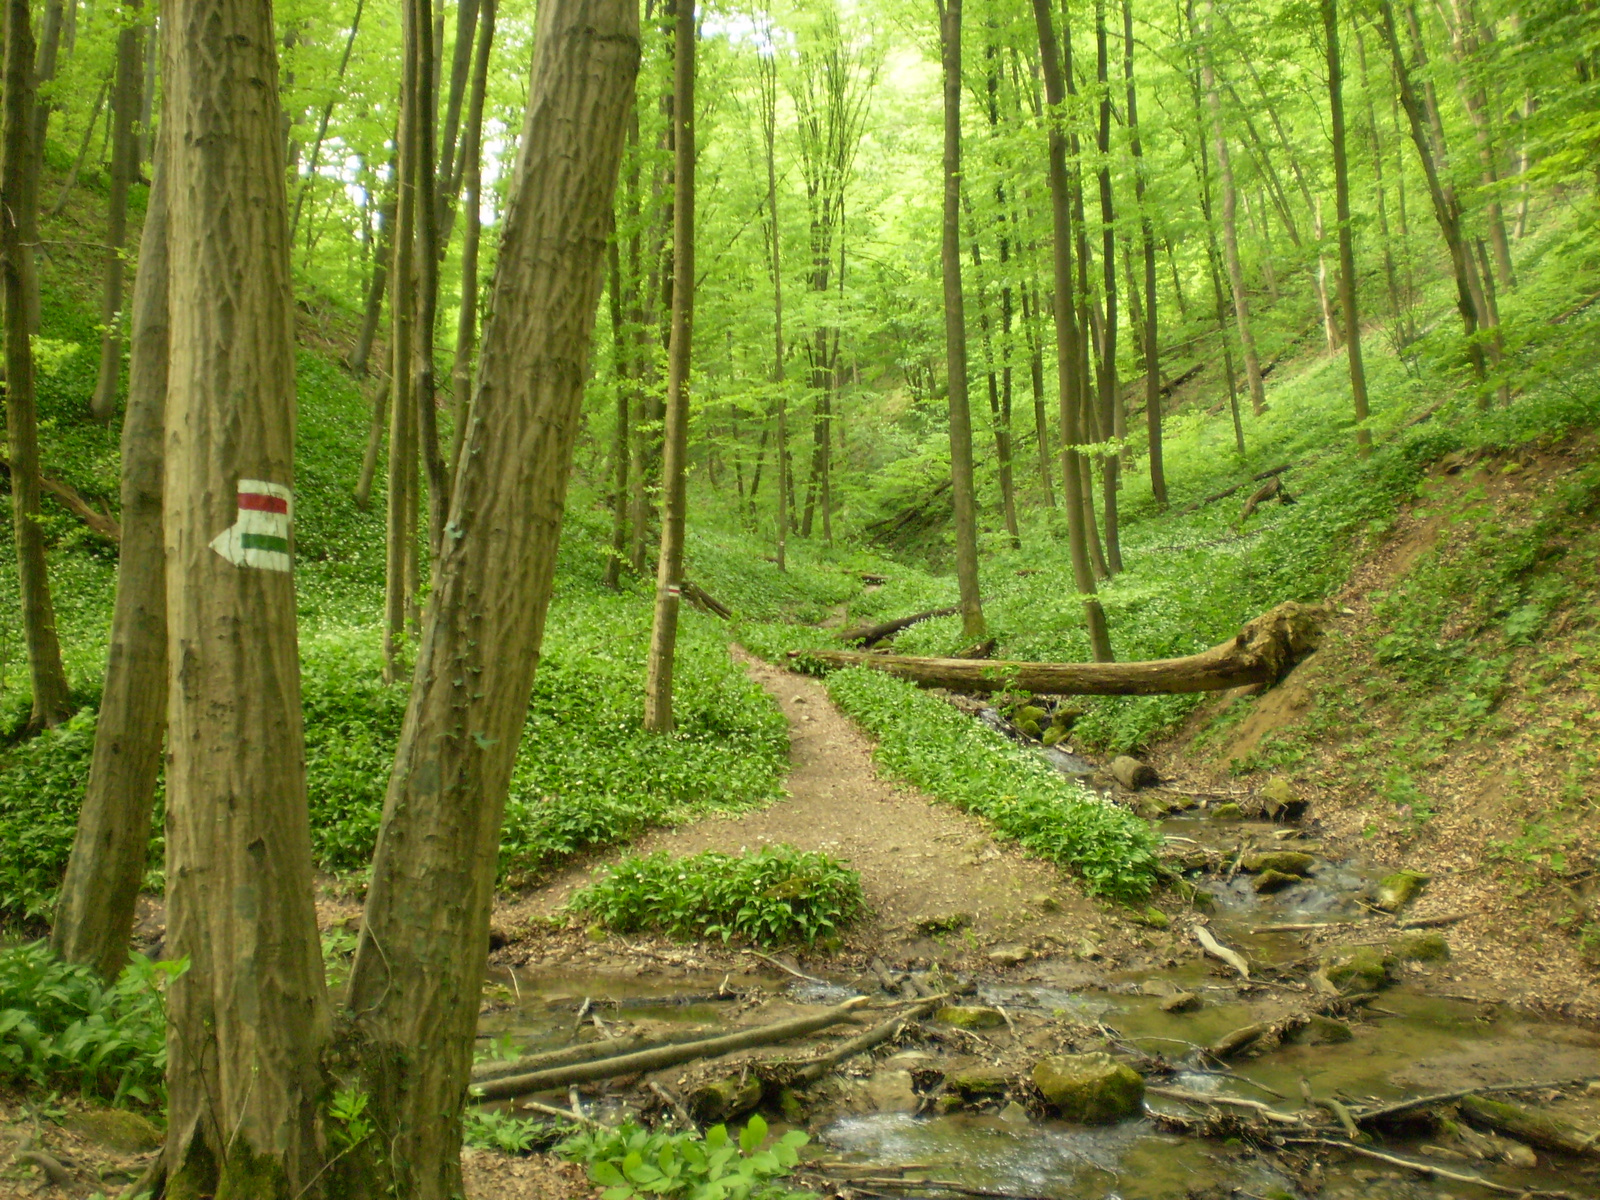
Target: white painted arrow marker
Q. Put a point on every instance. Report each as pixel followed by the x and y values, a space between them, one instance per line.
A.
pixel 260 537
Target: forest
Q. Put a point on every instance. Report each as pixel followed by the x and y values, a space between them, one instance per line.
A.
pixel 799 599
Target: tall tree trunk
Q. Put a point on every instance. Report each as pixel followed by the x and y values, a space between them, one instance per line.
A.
pixel 1041 423
pixel 19 199
pixel 152 54
pixel 124 170
pixel 1230 230
pixel 372 311
pixel 1113 418
pixel 1072 464
pixel 1445 209
pixel 999 419
pixel 451 168
pixel 472 189
pixel 369 457
pixel 1390 275
pixel 94 918
pixel 248 1022
pixel 675 437
pixel 418 972
pixel 767 70
pixel 1462 19
pixel 399 546
pixel 322 123
pixel 955 328
pixel 1347 253
pixel 425 260
pixel 621 350
pixel 44 75
pixel 1147 242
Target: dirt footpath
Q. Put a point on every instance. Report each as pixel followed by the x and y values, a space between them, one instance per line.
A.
pixel 920 861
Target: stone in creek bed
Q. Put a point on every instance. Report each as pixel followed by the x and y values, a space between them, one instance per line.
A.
pixel 1275 881
pixel 1009 956
pixel 970 1016
pixel 1133 774
pixel 1400 889
pixel 1181 1002
pixel 1423 946
pixel 1360 969
pixel 977 1082
pixel 1090 1089
pixel 723 1099
pixel 1287 862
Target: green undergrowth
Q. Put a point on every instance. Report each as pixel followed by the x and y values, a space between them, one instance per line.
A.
pixel 64 1029
pixel 628 1162
pixel 774 896
pixel 936 747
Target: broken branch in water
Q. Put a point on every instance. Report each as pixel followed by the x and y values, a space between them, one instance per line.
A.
pixel 664 1056
pixel 1400 1107
pixel 1260 653
pixel 816 1069
pixel 1430 1169
pixel 784 967
pixel 1218 951
pixel 1255 1106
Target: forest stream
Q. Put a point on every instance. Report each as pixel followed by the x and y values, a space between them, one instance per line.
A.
pixel 949 1098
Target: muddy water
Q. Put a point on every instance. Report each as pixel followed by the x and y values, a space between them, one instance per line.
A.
pixel 1416 1043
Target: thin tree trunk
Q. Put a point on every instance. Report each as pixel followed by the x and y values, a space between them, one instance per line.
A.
pixel 369 457
pixel 1347 253
pixel 621 354
pixel 675 437
pixel 1445 209
pixel 767 70
pixel 472 190
pixel 19 198
pixel 419 966
pixel 451 168
pixel 147 125
pixel 1066 357
pixel 998 419
pixel 425 215
pixel 402 419
pixel 44 75
pixel 82 156
pixel 322 123
pixel 955 328
pixel 124 170
pixel 1230 232
pixel 1462 19
pixel 249 1020
pixel 372 312
pixel 1147 242
pixel 1113 419
pixel 1389 273
pixel 94 918
pixel 1041 423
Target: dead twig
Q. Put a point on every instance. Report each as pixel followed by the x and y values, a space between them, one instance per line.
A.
pixel 784 967
pixel 1431 1170
pixel 1218 951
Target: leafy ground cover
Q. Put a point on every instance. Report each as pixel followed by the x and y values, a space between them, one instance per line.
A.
pixel 938 748
pixel 628 1162
pixel 770 897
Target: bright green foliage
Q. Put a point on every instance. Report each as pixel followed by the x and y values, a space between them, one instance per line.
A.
pixel 63 1027
pixel 506 1132
pixel 776 895
pixel 927 742
pixel 631 1162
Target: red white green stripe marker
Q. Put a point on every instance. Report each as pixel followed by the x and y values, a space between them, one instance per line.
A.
pixel 260 536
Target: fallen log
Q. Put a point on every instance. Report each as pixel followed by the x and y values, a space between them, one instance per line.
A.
pixel 871 635
pixel 1217 1098
pixel 1220 952
pixel 72 500
pixel 1238 487
pixel 1536 1129
pixel 1430 1170
pixel 815 1069
pixel 1401 1107
pixel 663 1056
pixel 587 1052
pixel 1260 653
pixel 704 600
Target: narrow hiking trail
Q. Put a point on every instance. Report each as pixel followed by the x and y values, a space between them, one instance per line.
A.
pixel 924 866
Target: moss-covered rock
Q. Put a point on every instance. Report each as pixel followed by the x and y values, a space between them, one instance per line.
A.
pixel 1421 946
pixel 977 1083
pixel 116 1129
pixel 1153 918
pixel 1275 881
pixel 970 1016
pixel 944 922
pixel 1324 1031
pixel 1280 801
pixel 1400 889
pixel 1227 812
pixel 1287 862
pixel 1360 969
pixel 723 1099
pixel 1053 735
pixel 1091 1089
pixel 1066 716
pixel 1181 1002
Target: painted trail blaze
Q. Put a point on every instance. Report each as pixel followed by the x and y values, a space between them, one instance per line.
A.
pixel 260 536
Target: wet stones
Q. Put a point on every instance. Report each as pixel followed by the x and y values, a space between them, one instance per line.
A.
pixel 1422 946
pixel 1181 1002
pixel 1283 862
pixel 970 1016
pixel 1398 890
pixel 723 1099
pixel 1009 955
pixel 1280 801
pixel 943 923
pixel 1090 1089
pixel 1274 881
pixel 1360 969
pixel 1133 774
pixel 976 1084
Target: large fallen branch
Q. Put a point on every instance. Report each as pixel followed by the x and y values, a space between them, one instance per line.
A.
pixel 1260 653
pixel 871 635
pixel 72 500
pixel 663 1056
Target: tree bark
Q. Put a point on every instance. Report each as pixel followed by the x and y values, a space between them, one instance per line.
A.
pixel 248 1022
pixel 1041 422
pixel 955 328
pixel 19 199
pixel 1260 653
pixel 1147 241
pixel 425 260
pixel 1113 419
pixel 400 547
pixel 369 457
pixel 452 171
pixel 124 170
pixel 620 436
pixel 372 312
pixel 1230 231
pixel 1391 277
pixel 767 69
pixel 1347 253
pixel 419 965
pixel 94 917
pixel 472 236
pixel 675 436
pixel 1072 464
